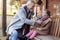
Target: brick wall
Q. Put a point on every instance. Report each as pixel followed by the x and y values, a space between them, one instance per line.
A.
pixel 51 5
pixel 55 23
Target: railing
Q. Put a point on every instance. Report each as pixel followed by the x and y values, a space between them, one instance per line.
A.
pixel 55 29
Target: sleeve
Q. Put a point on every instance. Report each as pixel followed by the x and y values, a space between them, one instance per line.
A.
pixel 22 15
pixel 47 25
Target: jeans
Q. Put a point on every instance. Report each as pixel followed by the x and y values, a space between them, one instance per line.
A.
pixel 15 34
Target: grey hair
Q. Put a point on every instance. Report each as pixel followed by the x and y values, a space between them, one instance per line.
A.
pixel 29 2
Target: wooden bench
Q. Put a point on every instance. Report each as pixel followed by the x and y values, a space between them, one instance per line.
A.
pixel 55 31
pixel 46 37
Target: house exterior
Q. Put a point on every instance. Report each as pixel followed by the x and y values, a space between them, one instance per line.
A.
pixel 51 5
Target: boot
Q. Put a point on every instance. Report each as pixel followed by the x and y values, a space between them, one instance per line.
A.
pixel 25 38
pixel 28 39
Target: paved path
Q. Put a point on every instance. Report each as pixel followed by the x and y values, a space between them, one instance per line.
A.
pixel 40 37
pixel 0 32
pixel 48 37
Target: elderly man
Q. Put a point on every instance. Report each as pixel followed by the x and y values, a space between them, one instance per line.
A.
pixel 20 19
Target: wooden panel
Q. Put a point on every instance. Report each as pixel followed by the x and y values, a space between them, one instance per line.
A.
pixel 55 29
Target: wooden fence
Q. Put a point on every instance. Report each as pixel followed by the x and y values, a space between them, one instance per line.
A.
pixel 55 29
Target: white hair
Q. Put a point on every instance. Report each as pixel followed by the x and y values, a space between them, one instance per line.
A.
pixel 29 2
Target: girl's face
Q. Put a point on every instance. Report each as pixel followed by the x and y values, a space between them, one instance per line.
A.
pixel 23 1
pixel 35 1
pixel 39 11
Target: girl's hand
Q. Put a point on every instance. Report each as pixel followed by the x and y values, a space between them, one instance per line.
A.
pixel 39 29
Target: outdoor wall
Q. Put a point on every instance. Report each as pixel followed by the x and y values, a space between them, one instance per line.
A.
pixel 55 28
pixel 51 5
pixel 7 21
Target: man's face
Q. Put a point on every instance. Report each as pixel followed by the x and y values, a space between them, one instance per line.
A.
pixel 31 6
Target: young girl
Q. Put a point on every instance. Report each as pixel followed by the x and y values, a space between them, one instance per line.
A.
pixel 39 16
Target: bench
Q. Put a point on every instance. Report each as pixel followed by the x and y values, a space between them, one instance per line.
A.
pixel 46 37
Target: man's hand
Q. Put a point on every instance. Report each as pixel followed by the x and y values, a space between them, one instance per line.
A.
pixel 37 23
